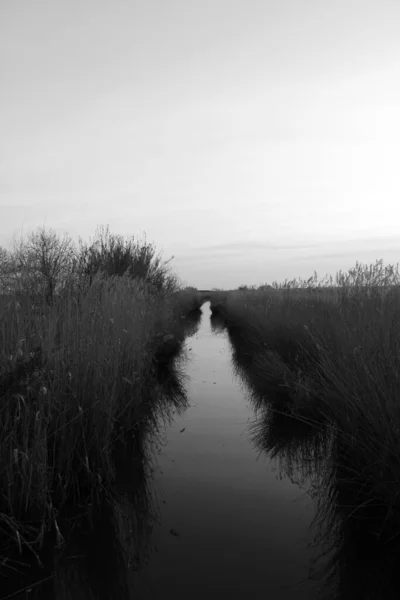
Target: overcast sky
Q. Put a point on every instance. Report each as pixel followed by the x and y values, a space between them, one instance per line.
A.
pixel 253 140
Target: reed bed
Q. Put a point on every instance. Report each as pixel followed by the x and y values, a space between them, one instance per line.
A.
pixel 77 377
pixel 333 356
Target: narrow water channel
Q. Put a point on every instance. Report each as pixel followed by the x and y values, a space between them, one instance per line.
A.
pixel 231 522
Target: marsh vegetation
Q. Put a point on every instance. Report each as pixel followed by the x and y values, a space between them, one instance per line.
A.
pixel 88 334
pixel 326 359
pixel 92 369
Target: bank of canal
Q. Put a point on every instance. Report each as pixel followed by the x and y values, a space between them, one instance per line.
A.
pixel 231 521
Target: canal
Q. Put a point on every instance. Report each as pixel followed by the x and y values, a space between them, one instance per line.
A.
pixel 232 522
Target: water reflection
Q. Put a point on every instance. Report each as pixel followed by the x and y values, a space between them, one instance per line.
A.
pixel 359 532
pixel 217 323
pixel 191 323
pixel 97 556
pixel 229 525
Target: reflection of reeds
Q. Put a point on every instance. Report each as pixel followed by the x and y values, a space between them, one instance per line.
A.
pixel 301 443
pixel 358 532
pixel 355 543
pixel 217 323
pixel 105 543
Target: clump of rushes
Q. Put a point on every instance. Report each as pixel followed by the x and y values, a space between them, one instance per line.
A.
pixel 185 301
pixel 336 356
pixel 359 392
pixel 74 378
pixel 292 324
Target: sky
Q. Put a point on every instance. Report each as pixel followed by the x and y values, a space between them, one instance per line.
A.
pixel 253 140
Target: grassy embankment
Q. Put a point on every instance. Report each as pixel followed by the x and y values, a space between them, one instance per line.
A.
pixel 332 356
pixel 77 371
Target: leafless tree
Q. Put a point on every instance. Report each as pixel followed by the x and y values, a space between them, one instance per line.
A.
pixel 43 262
pixel 6 271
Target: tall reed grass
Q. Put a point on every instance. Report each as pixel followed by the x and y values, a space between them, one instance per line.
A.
pixel 334 356
pixel 76 376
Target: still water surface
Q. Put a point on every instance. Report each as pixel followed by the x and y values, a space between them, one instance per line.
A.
pixel 239 525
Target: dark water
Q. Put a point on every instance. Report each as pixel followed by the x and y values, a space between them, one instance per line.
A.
pixel 242 527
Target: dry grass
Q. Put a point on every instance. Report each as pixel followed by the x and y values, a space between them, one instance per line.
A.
pixel 74 379
pixel 333 355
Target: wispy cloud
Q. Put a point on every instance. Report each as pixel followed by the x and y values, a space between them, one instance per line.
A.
pixel 362 247
pixel 246 246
